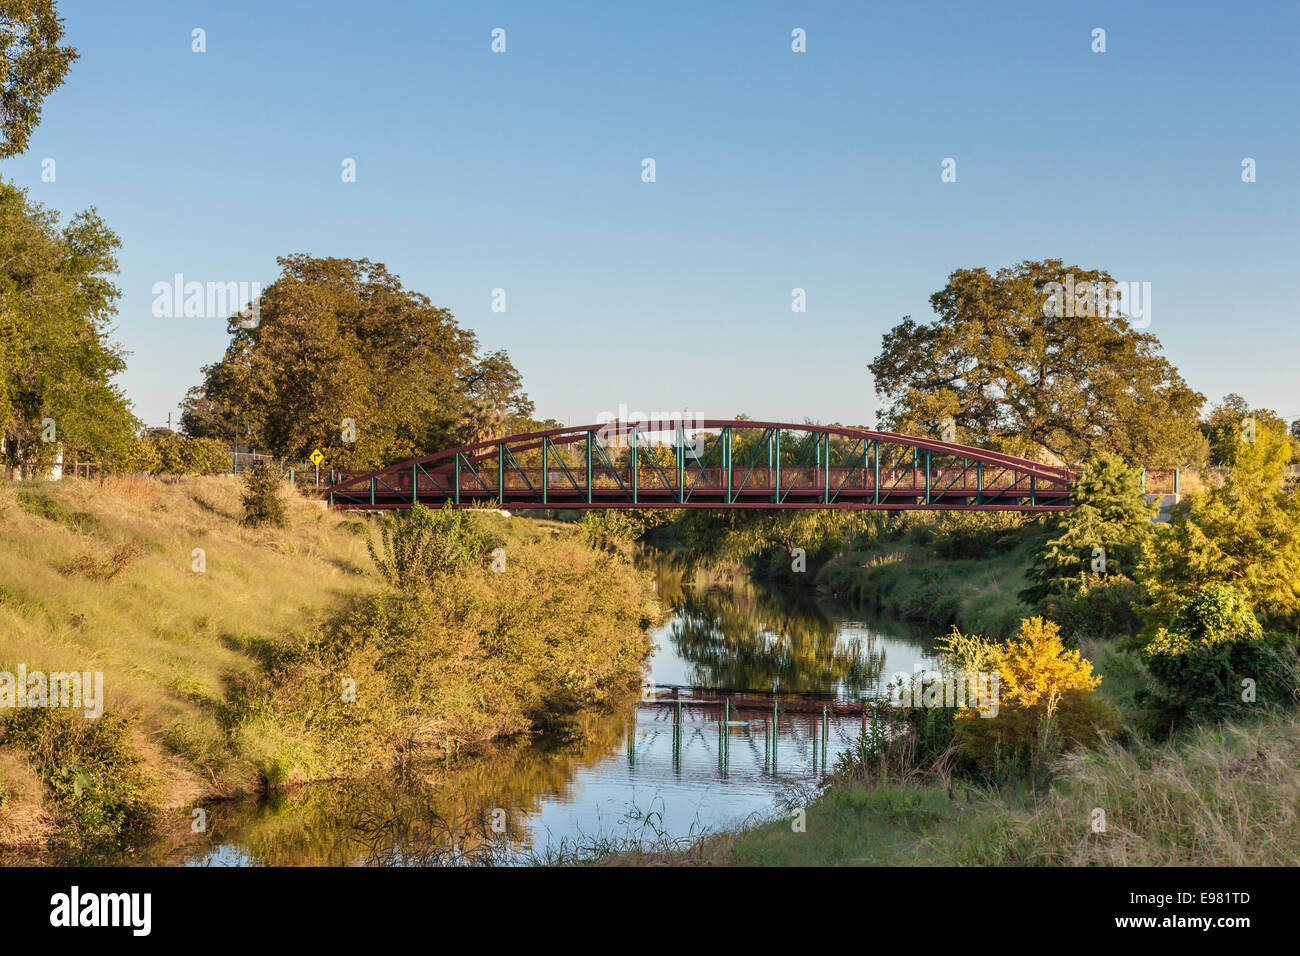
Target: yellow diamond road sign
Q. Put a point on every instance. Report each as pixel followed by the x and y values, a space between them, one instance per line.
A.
pixel 317 457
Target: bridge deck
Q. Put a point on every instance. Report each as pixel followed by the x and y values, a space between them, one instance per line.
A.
pixel 830 466
pixel 850 488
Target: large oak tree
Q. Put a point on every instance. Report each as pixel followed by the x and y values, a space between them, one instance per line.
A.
pixel 341 339
pixel 1015 370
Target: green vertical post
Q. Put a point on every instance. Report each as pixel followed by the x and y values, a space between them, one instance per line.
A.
pixel 331 487
pixel 589 440
pixel 414 485
pixel 677 734
pixel 826 494
pixel 927 476
pixel 1033 492
pixel 681 463
pixel 726 741
pixel 877 456
pixel 501 473
pixel 826 734
pixel 866 442
pixel 1175 481
pixel 776 488
pixel 291 476
pixel 979 482
pixel 546 469
pixel 635 474
pixel 774 734
pixel 372 489
pixel 726 454
pixel 457 477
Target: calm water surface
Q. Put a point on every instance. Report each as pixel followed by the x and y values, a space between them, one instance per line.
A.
pixel 627 775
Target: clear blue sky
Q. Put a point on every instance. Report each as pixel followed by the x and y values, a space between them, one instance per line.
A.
pixel 775 170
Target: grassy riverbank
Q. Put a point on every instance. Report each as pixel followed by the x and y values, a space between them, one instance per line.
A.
pixel 224 649
pixel 936 575
pixel 1216 796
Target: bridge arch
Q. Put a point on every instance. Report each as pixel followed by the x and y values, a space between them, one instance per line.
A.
pixel 736 464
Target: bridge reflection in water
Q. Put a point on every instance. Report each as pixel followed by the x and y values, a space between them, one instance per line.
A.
pixel 695 756
pixel 798 732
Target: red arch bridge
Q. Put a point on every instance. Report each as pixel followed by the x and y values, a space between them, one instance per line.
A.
pixel 718 464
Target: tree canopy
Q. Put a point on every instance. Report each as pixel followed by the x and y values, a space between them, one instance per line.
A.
pixel 1014 370
pixel 341 357
pixel 1245 533
pixel 1232 419
pixel 32 65
pixel 57 299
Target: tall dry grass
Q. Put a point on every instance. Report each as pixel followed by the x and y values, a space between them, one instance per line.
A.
pixel 223 647
pixel 100 577
pixel 1222 796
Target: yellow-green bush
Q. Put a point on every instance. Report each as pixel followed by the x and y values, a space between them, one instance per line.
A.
pixel 471 657
pixel 1046 702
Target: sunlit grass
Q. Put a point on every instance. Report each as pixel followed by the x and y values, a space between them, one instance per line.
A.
pixel 1216 796
pixel 1220 796
pixel 166 637
pixel 223 647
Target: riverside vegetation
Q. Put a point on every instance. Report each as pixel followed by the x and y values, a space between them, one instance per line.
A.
pixel 240 658
pixel 227 645
pixel 1148 701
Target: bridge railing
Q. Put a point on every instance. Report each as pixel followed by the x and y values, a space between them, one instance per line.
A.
pixel 649 487
pixel 740 464
pixel 1160 481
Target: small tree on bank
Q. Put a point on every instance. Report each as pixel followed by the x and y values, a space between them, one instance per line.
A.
pixel 263 505
pixel 417 545
pixel 1245 533
pixel 1102 534
pixel 1215 661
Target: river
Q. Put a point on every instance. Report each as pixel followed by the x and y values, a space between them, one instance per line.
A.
pixel 649 774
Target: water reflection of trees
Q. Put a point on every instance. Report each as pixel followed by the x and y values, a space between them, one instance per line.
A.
pixel 732 633
pixel 441 816
pixel 738 634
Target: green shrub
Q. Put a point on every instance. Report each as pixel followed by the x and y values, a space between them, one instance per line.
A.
pixel 445 668
pixel 1100 606
pixel 954 535
pixel 1110 521
pixel 43 506
pixel 262 503
pixel 1026 739
pixel 195 456
pixel 170 454
pixel 1212 652
pixel 96 780
pixel 418 545
pixel 611 527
